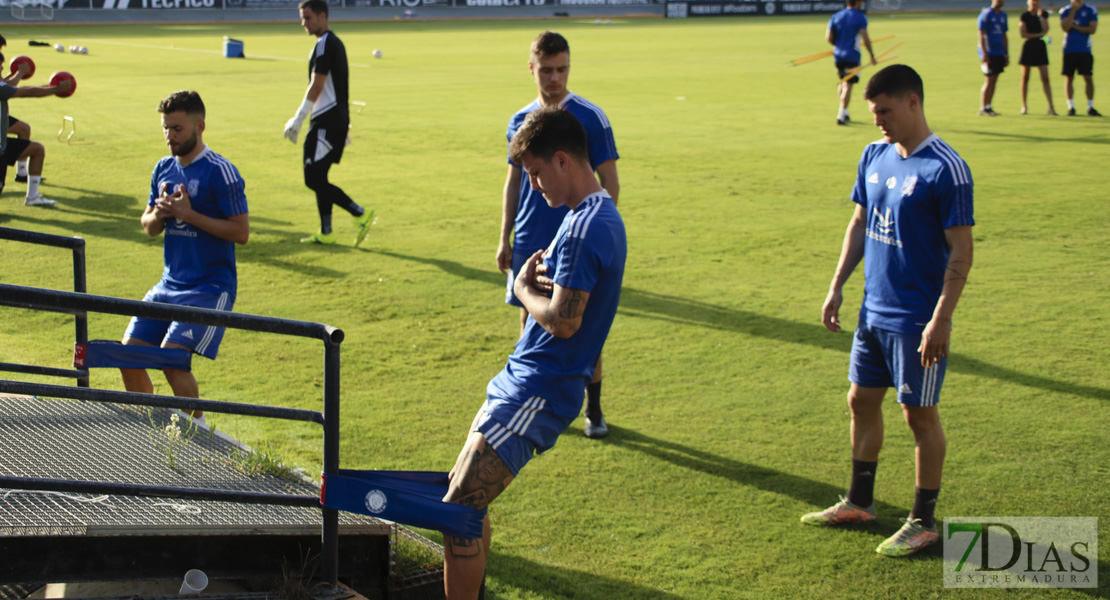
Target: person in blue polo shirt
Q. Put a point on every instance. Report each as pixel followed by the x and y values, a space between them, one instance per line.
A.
pixel 570 290
pixel 912 228
pixel 527 222
pixel 847 28
pixel 1080 21
pixel 197 200
pixel 994 52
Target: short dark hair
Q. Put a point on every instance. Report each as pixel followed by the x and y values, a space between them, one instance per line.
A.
pixel 896 81
pixel 549 43
pixel 319 7
pixel 186 100
pixel 3 42
pixel 546 131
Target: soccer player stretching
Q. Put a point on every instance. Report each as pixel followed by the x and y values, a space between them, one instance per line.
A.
pixel 571 291
pixel 197 198
pixel 912 222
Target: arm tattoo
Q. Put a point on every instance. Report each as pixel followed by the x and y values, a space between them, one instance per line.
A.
pixel 958 275
pixel 572 308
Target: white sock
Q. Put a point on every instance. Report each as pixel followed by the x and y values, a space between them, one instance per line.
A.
pixel 21 168
pixel 33 186
pixel 1071 104
pixel 1090 104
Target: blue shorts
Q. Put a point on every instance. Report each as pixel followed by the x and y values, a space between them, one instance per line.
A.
pixel 519 429
pixel 202 339
pixel 882 359
pixel 518 263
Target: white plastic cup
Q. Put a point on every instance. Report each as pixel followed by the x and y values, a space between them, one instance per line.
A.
pixel 194 583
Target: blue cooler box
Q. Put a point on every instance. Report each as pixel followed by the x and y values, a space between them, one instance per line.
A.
pixel 233 48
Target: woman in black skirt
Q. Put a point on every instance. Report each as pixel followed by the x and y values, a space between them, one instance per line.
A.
pixel 1034 26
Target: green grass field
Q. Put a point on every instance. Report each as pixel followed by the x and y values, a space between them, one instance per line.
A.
pixel 724 393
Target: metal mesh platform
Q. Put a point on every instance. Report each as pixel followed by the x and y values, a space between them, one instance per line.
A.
pixel 92 441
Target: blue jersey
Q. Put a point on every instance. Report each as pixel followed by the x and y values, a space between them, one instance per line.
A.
pixel 909 203
pixel 194 257
pixel 1077 42
pixel 536 222
pixel 846 25
pixel 588 254
pixel 995 26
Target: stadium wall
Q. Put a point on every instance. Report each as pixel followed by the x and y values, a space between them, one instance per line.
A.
pixel 210 11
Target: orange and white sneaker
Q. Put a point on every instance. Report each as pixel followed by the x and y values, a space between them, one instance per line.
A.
pixel 841 513
pixel 913 536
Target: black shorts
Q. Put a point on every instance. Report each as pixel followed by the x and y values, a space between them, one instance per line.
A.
pixel 1034 53
pixel 14 148
pixel 12 121
pixel 842 68
pixel 1078 62
pixel 996 64
pixel 324 143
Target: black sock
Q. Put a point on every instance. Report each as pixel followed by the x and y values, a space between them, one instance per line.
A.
pixel 593 399
pixel 924 506
pixel 325 224
pixel 862 490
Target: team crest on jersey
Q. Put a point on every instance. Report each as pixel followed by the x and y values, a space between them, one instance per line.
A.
pixel 908 184
pixel 891 182
pixel 193 187
pixel 884 223
pixel 874 178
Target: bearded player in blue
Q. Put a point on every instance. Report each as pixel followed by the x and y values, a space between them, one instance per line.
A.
pixel 912 224
pixel 197 198
pixel 571 291
pixel 847 28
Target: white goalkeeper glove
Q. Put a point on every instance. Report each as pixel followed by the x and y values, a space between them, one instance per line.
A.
pixel 293 126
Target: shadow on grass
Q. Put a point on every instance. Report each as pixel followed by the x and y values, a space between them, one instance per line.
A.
pixel 546 581
pixel 684 311
pixel 1101 138
pixel 813 492
pixel 451 268
pixel 650 305
pixel 116 216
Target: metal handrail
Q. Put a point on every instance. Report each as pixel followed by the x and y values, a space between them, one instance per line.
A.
pixel 81 303
pixel 81 320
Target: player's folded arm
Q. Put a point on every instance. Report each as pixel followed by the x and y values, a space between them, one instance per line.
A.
pixel 563 316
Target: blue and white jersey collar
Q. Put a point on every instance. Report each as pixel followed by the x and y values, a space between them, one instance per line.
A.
pixel 202 154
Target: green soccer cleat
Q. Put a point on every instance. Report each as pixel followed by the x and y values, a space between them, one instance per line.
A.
pixel 327 239
pixel 363 223
pixel 841 513
pixel 913 536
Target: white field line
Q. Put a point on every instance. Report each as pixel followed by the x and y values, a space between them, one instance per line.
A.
pixel 199 51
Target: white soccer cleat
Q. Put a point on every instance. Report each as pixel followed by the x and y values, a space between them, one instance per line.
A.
pixel 39 200
pixel 595 430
